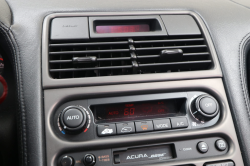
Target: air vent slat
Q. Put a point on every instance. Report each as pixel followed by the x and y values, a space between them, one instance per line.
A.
pixel 96 68
pixel 196 54
pixel 177 64
pixel 87 52
pixel 168 41
pixel 127 56
pixel 88 44
pixel 173 47
pixel 60 61
pixel 187 54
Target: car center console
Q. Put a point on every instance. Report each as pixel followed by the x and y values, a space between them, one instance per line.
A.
pixel 141 88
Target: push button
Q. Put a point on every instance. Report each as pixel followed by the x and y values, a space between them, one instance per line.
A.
pixel 162 124
pixel 208 105
pixel 73 118
pixel 125 128
pixel 202 147
pixel 144 126
pixel 69 28
pixel 117 159
pixel 179 123
pixel 106 130
pixel 221 145
pixel 228 163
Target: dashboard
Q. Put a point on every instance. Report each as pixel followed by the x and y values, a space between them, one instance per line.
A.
pixel 123 83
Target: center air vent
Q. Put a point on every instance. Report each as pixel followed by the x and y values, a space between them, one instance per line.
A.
pixel 127 56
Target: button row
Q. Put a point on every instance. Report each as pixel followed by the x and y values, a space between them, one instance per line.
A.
pixel 220 145
pixel 142 126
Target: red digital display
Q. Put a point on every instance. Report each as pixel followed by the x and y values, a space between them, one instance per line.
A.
pixel 122 28
pixel 138 110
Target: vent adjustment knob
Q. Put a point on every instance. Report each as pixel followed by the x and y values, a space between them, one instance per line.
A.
pixel 73 119
pixel 204 108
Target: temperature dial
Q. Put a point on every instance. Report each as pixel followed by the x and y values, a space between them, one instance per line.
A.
pixel 73 119
pixel 204 108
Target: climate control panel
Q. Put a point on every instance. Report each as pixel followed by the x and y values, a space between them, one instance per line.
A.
pixel 90 119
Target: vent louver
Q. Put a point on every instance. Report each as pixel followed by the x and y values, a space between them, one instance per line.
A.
pixel 126 56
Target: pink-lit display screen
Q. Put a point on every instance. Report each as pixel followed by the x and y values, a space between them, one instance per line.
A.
pixel 122 28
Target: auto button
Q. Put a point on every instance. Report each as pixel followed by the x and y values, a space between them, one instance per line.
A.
pixel 73 117
pixel 125 128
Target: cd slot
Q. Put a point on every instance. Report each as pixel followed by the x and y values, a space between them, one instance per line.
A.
pixel 144 154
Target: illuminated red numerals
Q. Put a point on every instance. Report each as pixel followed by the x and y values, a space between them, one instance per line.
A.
pixel 129 111
pixel 132 111
pixel 126 112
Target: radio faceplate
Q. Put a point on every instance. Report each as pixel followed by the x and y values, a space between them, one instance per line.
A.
pixel 137 114
pixel 150 154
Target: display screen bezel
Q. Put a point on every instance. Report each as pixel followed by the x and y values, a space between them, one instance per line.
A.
pixel 180 112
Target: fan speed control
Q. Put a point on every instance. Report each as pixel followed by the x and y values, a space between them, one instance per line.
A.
pixel 204 108
pixel 73 119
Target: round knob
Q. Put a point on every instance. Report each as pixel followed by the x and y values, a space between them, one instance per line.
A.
pixel 73 119
pixel 89 160
pixel 67 161
pixel 204 108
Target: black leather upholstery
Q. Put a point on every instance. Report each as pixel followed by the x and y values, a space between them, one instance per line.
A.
pixel 9 107
pixel 228 23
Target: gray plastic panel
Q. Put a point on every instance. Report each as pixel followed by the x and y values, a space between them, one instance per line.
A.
pixel 180 25
pixel 54 98
pixel 49 82
pixel 69 28
pixel 93 34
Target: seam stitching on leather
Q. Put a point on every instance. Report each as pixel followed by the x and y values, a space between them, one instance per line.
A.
pixel 242 48
pixel 22 99
pixel 242 68
pixel 20 92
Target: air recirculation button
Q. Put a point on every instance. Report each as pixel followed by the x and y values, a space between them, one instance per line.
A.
pixel 73 119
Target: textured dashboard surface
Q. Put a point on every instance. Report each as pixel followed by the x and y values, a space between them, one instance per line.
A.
pixel 5 13
pixel 228 23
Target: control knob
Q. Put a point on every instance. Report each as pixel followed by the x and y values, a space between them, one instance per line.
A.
pixel 204 108
pixel 73 119
pixel 89 160
pixel 67 161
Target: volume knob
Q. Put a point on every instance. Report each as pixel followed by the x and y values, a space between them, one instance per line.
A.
pixel 73 119
pixel 204 108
